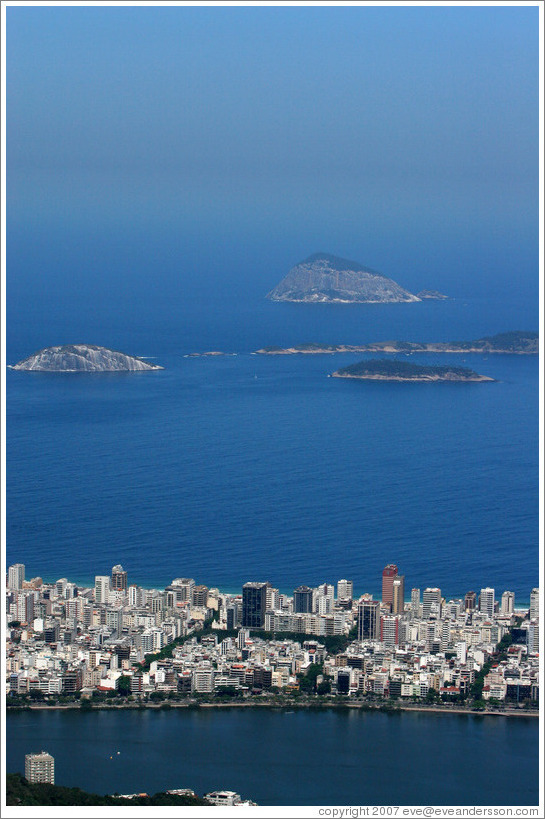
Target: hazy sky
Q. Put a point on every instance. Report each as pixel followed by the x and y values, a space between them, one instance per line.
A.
pixel 350 125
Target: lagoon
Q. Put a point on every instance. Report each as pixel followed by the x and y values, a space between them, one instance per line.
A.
pixel 280 757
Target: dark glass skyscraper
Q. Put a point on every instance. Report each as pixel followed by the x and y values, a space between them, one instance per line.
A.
pixel 302 600
pixel 368 619
pixel 254 604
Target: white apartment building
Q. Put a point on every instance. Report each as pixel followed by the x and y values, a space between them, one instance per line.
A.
pixel 534 604
pixel 507 602
pixel 16 576
pixel 102 588
pixel 345 590
pixel 202 681
pixel 40 768
pixel 431 602
pixel 486 601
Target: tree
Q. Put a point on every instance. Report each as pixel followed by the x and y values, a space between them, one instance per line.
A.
pixel 124 686
pixel 228 691
pixel 307 682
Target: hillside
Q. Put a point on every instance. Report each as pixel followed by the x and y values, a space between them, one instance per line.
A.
pixel 21 792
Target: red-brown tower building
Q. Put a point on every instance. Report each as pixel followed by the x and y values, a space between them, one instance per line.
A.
pixel 388 574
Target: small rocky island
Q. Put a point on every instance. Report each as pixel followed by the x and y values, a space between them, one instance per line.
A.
pixel 208 353
pixel 326 278
pixel 75 358
pixel 517 342
pixel 431 294
pixel 377 370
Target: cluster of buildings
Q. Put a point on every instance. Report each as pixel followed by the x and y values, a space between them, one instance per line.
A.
pixel 64 639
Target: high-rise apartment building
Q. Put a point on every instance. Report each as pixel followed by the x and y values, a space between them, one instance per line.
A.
pixel 273 599
pixel 508 602
pixel 389 630
pixel 534 604
pixel 102 588
pixel 388 574
pixel 302 600
pixel 114 620
pixel 60 587
pixel 183 586
pixel 326 590
pixel 254 604
pixel 16 576
pixel 345 591
pixel 486 601
pixel 324 599
pixel 533 637
pixel 231 618
pixel 119 578
pixel 415 603
pixel 398 594
pixel 199 596
pixel 470 601
pixel 368 619
pixel 25 606
pixel 135 595
pixel 40 768
pixel 431 603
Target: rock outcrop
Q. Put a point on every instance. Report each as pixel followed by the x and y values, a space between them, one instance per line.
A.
pixel 431 294
pixel 73 358
pixel 326 278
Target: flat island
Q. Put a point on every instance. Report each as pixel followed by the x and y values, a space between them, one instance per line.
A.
pixel 209 353
pixel 73 358
pixel 377 370
pixel 516 342
pixel 431 294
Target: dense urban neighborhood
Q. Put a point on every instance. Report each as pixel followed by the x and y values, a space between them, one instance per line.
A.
pixel 120 644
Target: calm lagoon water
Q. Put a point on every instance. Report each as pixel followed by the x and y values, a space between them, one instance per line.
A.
pixel 290 758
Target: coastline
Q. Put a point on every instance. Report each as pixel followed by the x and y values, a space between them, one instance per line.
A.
pixel 292 706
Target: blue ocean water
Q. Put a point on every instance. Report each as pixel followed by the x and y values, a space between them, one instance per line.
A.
pixel 253 467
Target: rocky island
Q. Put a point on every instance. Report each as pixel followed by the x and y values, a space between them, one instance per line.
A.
pixel 517 342
pixel 73 358
pixel 377 370
pixel 325 278
pixel 209 353
pixel 431 294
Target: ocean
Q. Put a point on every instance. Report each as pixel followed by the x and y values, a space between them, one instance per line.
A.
pixel 250 467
